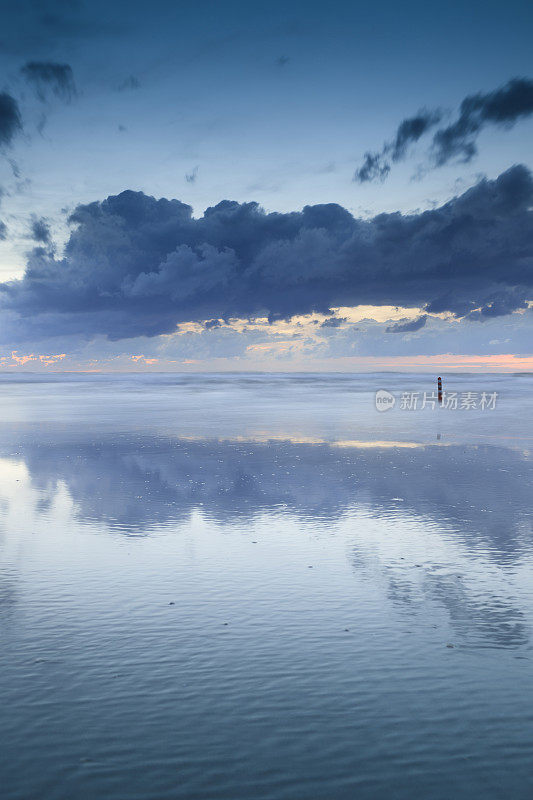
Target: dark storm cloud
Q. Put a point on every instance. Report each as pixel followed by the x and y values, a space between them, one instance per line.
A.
pixel 47 76
pixel 14 168
pixel 377 165
pixel 501 304
pixel 10 121
pixel 139 266
pixel 40 231
pixel 190 177
pixel 410 130
pixel 128 84
pixel 408 327
pixel 503 107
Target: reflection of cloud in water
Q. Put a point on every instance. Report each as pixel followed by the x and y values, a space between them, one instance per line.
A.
pixel 8 592
pixel 138 482
pixel 478 615
pixel 482 618
pixel 458 505
pixel 425 567
pixel 8 578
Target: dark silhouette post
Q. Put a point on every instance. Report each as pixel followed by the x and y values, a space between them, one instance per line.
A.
pixel 439 387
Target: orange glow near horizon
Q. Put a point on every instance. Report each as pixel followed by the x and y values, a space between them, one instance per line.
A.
pixel 141 359
pixel 262 357
pixel 505 362
pixel 19 361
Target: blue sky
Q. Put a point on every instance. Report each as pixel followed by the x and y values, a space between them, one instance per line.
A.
pixel 275 103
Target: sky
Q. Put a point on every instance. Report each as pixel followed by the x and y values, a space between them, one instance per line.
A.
pixel 283 186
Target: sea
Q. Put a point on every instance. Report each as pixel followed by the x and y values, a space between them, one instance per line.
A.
pixel 266 587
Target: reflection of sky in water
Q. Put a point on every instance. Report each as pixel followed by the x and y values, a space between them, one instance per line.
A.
pixel 440 505
pixel 269 612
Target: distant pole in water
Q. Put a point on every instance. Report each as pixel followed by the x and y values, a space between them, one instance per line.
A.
pixel 439 387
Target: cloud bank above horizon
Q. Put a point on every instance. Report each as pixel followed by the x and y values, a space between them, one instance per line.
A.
pixel 136 266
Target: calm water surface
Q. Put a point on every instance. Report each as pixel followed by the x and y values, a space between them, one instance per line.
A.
pixel 260 587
